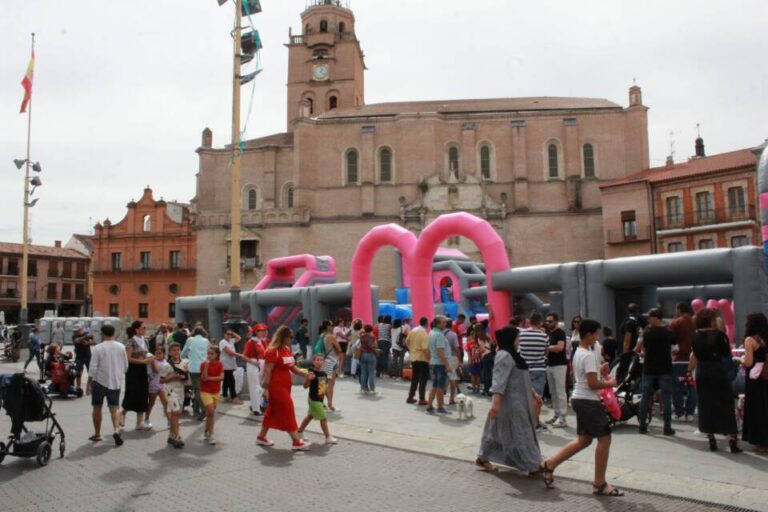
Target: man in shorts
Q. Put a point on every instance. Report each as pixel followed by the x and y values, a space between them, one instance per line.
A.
pixel 440 365
pixel 109 363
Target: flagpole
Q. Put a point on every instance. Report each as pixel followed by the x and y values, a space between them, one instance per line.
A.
pixel 24 313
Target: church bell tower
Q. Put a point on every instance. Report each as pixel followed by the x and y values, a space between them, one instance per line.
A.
pixel 326 65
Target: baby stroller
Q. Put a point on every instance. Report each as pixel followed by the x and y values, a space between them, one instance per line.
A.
pixel 23 400
pixel 629 402
pixel 62 373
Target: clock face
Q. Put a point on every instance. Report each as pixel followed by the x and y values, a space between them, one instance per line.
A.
pixel 320 72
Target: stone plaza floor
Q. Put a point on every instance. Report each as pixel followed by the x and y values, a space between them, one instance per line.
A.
pixel 391 456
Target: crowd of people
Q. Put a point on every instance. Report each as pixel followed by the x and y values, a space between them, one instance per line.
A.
pixel 688 363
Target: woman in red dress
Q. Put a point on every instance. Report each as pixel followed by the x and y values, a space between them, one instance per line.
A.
pixel 280 414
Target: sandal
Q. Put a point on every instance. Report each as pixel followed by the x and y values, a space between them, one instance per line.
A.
pixel 600 490
pixel 487 466
pixel 95 438
pixel 548 475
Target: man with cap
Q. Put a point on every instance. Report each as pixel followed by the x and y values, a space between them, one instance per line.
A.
pixel 656 344
pixel 253 354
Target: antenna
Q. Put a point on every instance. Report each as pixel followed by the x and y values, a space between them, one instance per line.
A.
pixel 672 143
pixel 698 130
pixel 90 225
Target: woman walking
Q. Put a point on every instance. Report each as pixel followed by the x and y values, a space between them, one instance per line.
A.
pixel 716 408
pixel 755 429
pixel 368 361
pixel 509 435
pixel 591 419
pixel 280 414
pixel 136 398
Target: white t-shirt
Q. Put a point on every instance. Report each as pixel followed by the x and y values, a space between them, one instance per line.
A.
pixel 584 362
pixel 227 361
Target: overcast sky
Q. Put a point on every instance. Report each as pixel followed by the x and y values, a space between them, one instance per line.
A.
pixel 123 89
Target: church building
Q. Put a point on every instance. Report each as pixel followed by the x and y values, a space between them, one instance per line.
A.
pixel 532 166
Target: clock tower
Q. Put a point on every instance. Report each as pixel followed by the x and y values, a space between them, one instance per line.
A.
pixel 325 63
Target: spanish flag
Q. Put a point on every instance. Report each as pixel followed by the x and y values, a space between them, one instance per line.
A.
pixel 26 83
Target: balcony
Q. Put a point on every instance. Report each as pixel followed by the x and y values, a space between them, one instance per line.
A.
pixel 706 218
pixel 617 236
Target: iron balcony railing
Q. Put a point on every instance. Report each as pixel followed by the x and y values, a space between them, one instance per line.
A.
pixel 695 218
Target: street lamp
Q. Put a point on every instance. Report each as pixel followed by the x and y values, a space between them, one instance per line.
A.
pixel 35 182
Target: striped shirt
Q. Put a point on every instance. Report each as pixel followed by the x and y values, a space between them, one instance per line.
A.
pixel 533 348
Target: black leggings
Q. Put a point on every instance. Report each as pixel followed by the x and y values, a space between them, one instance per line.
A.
pixel 419 377
pixel 229 384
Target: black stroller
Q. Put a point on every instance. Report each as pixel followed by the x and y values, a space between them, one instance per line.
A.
pixel 24 400
pixel 625 389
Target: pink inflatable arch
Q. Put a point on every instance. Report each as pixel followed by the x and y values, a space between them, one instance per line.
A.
pixel 726 311
pixel 485 238
pixel 375 239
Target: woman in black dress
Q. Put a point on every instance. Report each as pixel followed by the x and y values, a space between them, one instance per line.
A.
pixel 136 398
pixel 716 406
pixel 755 429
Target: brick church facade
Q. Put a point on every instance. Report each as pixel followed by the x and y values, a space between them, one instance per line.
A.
pixel 531 166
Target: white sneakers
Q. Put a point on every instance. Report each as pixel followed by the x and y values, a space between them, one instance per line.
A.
pixel 560 423
pixel 331 440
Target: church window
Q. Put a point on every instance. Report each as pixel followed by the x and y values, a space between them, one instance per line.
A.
pixel 288 196
pixel 324 26
pixel 333 102
pixel 252 199
pixel 341 26
pixel 485 161
pixel 310 106
pixel 589 161
pixel 453 160
pixel 553 161
pixel 385 165
pixel 351 166
pixel 147 224
pixel 320 54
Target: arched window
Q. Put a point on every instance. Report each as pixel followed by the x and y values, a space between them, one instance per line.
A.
pixel 288 195
pixel 323 26
pixel 147 223
pixel 485 161
pixel 342 26
pixel 252 199
pixel 310 103
pixel 385 165
pixel 333 102
pixel 307 29
pixel 453 160
pixel 553 161
pixel 320 54
pixel 589 161
pixel 351 166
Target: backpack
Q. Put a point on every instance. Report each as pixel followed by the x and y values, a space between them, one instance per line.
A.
pixel 319 347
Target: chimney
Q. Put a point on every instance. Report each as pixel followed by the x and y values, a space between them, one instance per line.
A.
pixel 207 141
pixel 57 244
pixel 670 161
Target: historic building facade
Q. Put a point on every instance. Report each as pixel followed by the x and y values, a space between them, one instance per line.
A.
pixel 530 166
pixel 57 281
pixel 703 203
pixel 142 263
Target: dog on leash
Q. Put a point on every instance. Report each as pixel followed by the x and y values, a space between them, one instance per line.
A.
pixel 465 406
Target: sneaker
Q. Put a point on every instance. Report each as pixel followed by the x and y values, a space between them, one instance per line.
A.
pixel 263 441
pixel 551 421
pixel 147 425
pixel 442 410
pixel 178 444
pixel 543 429
pixel 211 440
pixel 330 440
pixel 560 423
pixel 679 417
pixel 118 439
pixel 301 446
pixel 411 401
pixel 689 418
pixel 171 440
pixel 669 431
pixel 430 409
pixel 643 429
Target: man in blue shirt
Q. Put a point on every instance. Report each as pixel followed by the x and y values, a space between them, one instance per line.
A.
pixel 196 350
pixel 34 351
pixel 439 362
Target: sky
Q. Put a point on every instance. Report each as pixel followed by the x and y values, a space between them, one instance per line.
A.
pixel 124 89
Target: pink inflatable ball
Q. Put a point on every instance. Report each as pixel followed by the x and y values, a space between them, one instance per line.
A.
pixel 712 304
pixel 697 305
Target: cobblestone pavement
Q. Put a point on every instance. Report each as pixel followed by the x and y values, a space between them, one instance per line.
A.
pixel 146 474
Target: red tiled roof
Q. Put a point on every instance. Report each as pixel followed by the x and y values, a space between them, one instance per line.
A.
pixel 471 106
pixel 42 250
pixel 86 240
pixel 691 168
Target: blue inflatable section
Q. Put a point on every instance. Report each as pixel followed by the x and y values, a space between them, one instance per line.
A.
pixel 401 295
pixel 396 311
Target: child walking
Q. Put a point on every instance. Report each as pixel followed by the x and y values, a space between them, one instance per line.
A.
pixel 317 382
pixel 175 375
pixel 156 387
pixel 591 419
pixel 211 375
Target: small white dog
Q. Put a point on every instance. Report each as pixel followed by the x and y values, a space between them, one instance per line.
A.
pixel 466 407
